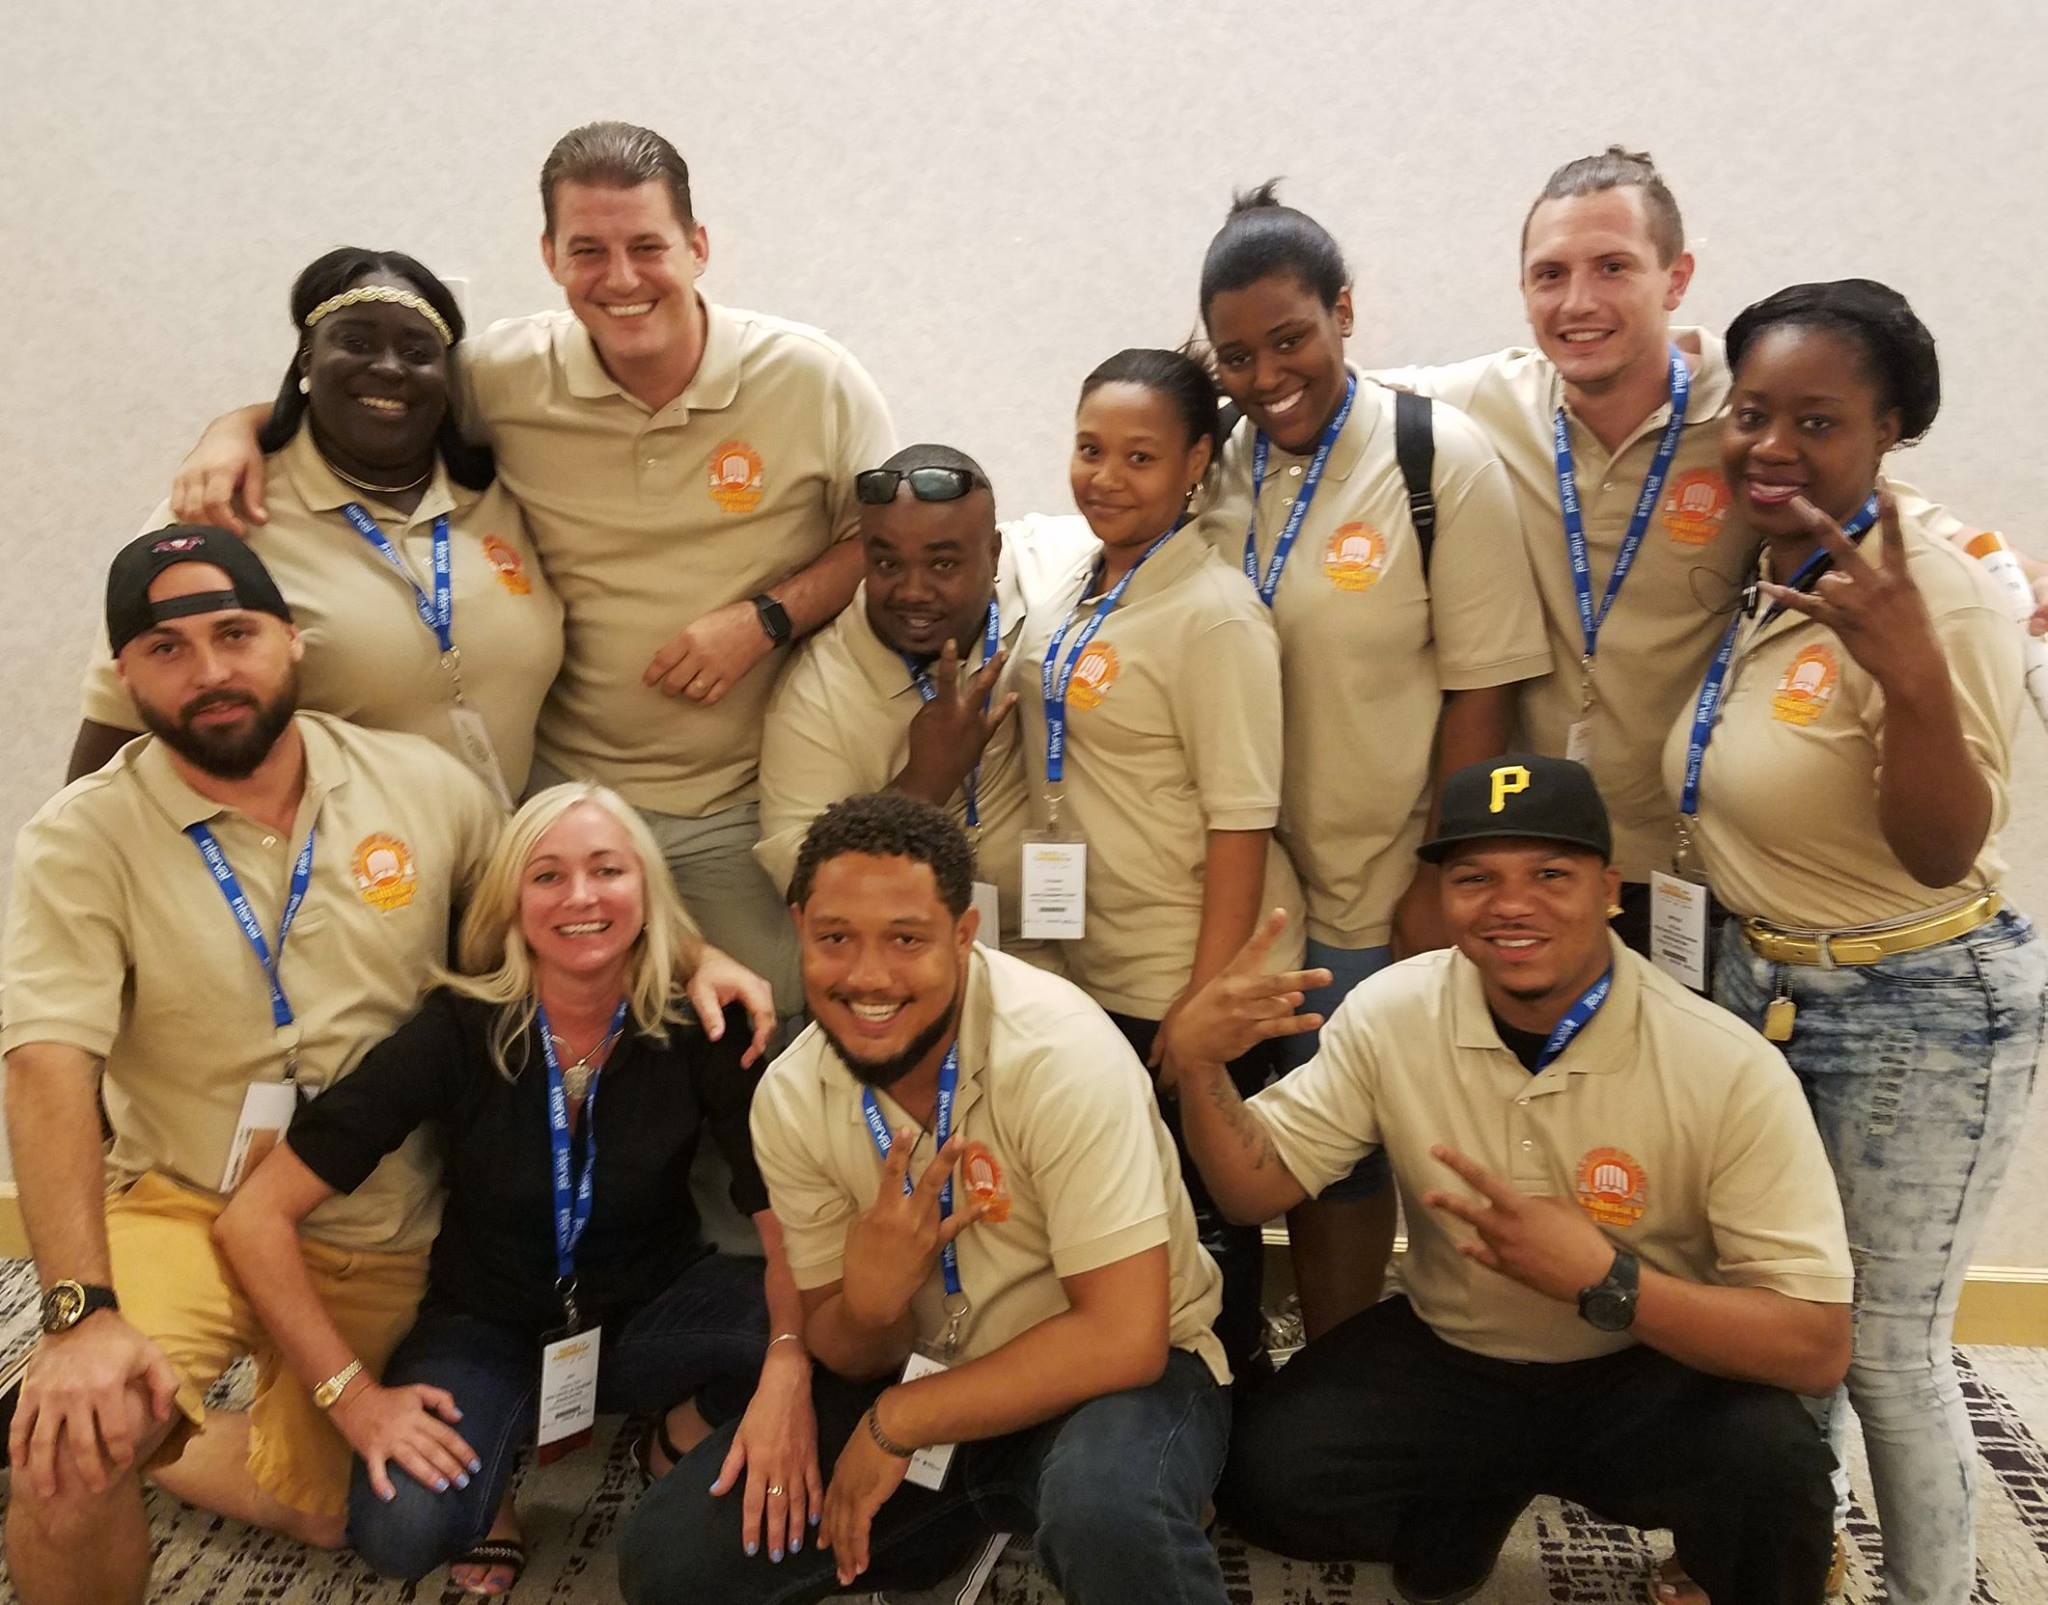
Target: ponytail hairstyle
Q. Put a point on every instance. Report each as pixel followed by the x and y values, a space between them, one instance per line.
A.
pixel 1260 237
pixel 1898 352
pixel 1176 376
pixel 468 465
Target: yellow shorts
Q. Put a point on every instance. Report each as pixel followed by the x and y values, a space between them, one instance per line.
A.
pixel 178 1290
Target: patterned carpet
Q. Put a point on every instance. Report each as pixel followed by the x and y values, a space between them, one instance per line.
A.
pixel 1558 1555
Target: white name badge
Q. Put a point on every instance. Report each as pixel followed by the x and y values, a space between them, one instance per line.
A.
pixel 928 1466
pixel 989 906
pixel 568 1389
pixel 1055 890
pixel 1678 929
pixel 267 1108
pixel 473 738
pixel 1578 741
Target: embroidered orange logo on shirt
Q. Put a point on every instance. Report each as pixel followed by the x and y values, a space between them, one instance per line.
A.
pixel 983 1179
pixel 506 565
pixel 1093 675
pixel 1355 557
pixel 385 873
pixel 1807 688
pixel 1612 1187
pixel 1695 506
pixel 736 477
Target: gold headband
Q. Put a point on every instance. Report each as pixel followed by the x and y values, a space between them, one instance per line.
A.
pixel 391 296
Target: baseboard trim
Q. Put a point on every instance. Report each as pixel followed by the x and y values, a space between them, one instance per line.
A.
pixel 2002 1305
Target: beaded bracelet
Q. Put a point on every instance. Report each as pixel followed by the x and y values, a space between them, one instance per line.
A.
pixel 887 1444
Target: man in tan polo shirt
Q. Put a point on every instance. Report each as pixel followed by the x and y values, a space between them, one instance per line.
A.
pixel 913 688
pixel 225 918
pixel 968 1165
pixel 1626 1253
pixel 687 472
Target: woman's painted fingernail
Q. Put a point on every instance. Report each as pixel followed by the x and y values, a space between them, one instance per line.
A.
pixel 752 1547
pixel 814 1517
pixel 462 1479
pixel 796 1544
pixel 476 1465
pixel 387 1497
pixel 440 1485
pixel 775 1555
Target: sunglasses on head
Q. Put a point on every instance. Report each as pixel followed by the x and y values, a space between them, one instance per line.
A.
pixel 877 486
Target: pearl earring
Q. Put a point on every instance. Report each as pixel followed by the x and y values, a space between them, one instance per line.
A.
pixel 305 386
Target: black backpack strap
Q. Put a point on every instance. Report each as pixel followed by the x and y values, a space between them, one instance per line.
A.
pixel 1228 417
pixel 1415 451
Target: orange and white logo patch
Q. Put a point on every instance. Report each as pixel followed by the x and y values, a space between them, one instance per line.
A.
pixel 1695 506
pixel 1355 557
pixel 385 872
pixel 1612 1187
pixel 982 1176
pixel 506 565
pixel 736 477
pixel 1807 687
pixel 1093 675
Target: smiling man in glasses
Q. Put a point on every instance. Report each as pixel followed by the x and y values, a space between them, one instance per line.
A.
pixel 911 688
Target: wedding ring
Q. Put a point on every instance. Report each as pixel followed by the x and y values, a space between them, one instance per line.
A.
pixel 776 1490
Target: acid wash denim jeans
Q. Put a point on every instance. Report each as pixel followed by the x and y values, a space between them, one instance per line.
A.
pixel 1918 1070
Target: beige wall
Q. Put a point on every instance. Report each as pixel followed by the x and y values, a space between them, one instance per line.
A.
pixel 982 200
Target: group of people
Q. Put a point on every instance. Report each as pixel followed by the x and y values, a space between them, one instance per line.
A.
pixel 1349 806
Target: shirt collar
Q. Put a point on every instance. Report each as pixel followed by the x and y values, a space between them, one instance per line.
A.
pixel 883 664
pixel 184 807
pixel 1352 441
pixel 1604 1045
pixel 977 1013
pixel 714 385
pixel 1711 383
pixel 324 491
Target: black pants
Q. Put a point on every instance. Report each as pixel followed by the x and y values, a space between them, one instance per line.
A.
pixel 1239 1251
pixel 1379 1436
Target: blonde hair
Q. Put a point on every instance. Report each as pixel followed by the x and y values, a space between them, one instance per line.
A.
pixel 496 966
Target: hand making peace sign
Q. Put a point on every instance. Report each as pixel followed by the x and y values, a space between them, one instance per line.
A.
pixel 893 1244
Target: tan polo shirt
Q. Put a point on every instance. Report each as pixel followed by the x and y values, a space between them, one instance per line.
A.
pixel 839 723
pixel 1788 828
pixel 369 657
pixel 1369 642
pixel 1055 1094
pixel 120 944
pixel 1662 630
pixel 1173 730
pixel 1679 1131
pixel 649 520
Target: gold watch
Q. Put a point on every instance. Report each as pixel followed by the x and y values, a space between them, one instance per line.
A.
pixel 67 1303
pixel 332 1389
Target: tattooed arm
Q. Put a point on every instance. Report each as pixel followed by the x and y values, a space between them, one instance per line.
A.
pixel 1232 1149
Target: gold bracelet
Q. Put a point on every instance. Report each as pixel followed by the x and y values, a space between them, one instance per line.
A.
pixel 784 1337
pixel 887 1444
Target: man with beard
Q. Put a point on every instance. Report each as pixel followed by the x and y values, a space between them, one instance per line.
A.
pixel 911 688
pixel 1625 1249
pixel 1001 1281
pixel 220 922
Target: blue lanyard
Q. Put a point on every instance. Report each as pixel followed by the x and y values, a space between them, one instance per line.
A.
pixel 572 1191
pixel 1053 684
pixel 920 677
pixel 245 916
pixel 438 615
pixel 1638 525
pixel 1575 1020
pixel 1269 587
pixel 942 1128
pixel 1707 709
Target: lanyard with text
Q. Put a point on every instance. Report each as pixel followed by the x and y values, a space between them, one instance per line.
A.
pixel 1054 677
pixel 1575 1020
pixel 1707 707
pixel 573 1191
pixel 245 916
pixel 942 1128
pixel 437 613
pixel 1269 587
pixel 1638 525
pixel 920 677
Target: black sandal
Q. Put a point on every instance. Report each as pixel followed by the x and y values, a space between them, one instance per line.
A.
pixel 655 1437
pixel 508 1554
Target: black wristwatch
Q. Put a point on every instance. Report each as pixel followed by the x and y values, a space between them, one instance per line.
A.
pixel 68 1303
pixel 1610 1304
pixel 774 619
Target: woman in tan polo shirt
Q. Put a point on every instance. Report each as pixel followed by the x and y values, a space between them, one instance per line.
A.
pixel 369 479
pixel 1844 810
pixel 1155 739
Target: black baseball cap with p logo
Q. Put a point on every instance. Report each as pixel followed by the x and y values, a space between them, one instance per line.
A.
pixel 136 566
pixel 1521 794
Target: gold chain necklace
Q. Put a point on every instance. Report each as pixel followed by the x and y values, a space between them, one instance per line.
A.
pixel 576 1076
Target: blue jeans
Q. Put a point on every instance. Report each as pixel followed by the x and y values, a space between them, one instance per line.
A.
pixel 1347 966
pixel 710 1326
pixel 1918 1070
pixel 1114 1490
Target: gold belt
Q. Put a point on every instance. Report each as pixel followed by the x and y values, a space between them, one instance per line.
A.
pixel 1781 946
